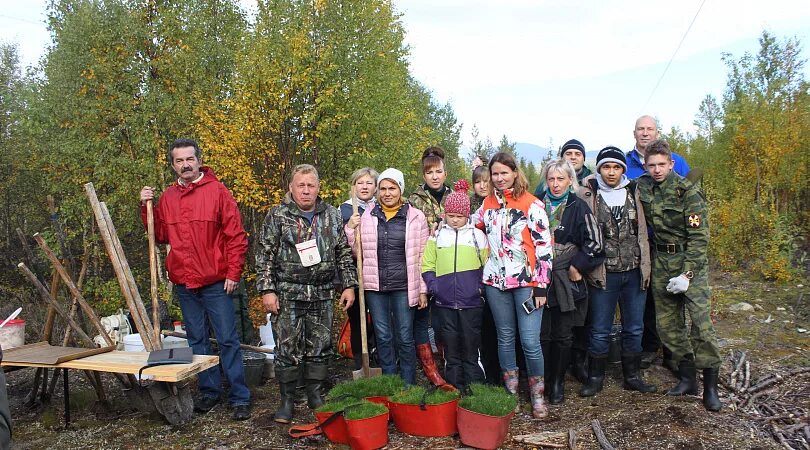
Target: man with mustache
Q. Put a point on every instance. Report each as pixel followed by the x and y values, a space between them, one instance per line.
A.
pixel 199 218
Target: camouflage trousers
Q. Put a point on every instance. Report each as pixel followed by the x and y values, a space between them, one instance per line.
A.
pixel 303 326
pixel 670 316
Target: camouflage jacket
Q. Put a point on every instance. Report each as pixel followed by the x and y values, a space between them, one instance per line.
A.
pixel 676 211
pixel 277 259
pixel 423 201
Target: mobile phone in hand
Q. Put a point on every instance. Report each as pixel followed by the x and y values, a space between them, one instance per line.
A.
pixel 529 305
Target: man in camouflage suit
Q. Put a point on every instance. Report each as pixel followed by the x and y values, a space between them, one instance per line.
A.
pixel 302 246
pixel 676 211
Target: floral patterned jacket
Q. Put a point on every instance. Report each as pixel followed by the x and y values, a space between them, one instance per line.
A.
pixel 519 242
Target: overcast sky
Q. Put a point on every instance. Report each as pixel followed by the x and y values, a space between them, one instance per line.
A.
pixel 548 71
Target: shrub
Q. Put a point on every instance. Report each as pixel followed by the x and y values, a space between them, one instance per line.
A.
pixel 382 386
pixel 413 396
pixel 489 400
pixel 364 409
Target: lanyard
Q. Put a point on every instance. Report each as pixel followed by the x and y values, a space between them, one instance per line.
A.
pixel 309 230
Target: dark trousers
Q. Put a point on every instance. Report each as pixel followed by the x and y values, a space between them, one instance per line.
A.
pixel 489 348
pixel 558 327
pixel 212 305
pixel 353 315
pixel 460 333
pixel 650 342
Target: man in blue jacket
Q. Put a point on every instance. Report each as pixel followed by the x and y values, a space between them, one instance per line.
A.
pixel 646 132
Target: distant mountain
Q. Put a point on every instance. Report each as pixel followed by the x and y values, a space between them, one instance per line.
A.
pixel 536 153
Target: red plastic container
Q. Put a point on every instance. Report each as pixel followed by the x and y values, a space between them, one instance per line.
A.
pixel 368 434
pixel 433 421
pixel 335 430
pixel 482 431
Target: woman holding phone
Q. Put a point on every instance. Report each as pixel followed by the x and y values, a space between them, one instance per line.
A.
pixel 517 271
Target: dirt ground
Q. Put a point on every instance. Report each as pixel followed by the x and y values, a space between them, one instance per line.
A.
pixel 770 334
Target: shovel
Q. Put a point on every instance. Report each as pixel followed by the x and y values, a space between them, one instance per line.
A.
pixel 365 371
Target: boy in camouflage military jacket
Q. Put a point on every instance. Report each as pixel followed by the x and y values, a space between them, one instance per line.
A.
pixel 676 211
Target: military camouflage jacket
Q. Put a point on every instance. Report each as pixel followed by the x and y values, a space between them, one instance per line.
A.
pixel 277 260
pixel 676 211
pixel 423 201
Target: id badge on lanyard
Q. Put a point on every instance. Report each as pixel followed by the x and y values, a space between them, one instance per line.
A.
pixel 308 250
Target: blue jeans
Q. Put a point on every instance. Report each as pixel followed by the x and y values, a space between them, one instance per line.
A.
pixel 212 304
pixel 623 288
pixel 391 314
pixel 511 319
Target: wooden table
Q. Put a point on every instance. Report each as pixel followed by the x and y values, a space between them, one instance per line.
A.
pixel 124 362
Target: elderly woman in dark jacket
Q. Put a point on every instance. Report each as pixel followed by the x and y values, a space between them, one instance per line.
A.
pixel 577 251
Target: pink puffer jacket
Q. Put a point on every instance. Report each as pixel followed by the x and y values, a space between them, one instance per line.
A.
pixel 416 236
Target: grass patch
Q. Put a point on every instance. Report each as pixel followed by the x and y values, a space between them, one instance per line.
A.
pixel 413 396
pixel 383 385
pixel 364 409
pixel 489 400
pixel 337 405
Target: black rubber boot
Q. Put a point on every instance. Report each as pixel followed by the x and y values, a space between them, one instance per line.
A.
pixel 710 398
pixel 315 374
pixel 631 363
pixel 561 357
pixel 579 368
pixel 596 375
pixel 687 378
pixel 287 382
pixel 669 363
pixel 548 368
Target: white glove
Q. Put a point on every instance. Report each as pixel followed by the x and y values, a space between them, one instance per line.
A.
pixel 678 285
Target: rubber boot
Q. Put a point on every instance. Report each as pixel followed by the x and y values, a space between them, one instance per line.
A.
pixel 425 354
pixel 579 368
pixel 536 388
pixel 511 383
pixel 669 363
pixel 687 378
pixel 711 400
pixel 596 375
pixel 548 368
pixel 315 374
pixel 631 363
pixel 561 357
pixel 287 382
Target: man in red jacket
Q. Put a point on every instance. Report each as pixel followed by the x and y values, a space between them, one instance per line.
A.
pixel 199 218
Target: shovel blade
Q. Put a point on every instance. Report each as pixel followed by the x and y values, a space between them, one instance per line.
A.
pixel 372 372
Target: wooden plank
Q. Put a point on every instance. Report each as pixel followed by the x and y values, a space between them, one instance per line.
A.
pixel 44 353
pixel 130 362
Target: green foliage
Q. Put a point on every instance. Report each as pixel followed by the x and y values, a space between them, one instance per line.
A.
pixel 364 410
pixel 338 405
pixel 381 386
pixel 414 395
pixel 489 400
pixel 755 154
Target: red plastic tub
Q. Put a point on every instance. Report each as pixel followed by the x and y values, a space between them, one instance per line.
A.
pixel 482 431
pixel 368 434
pixel 433 421
pixel 335 430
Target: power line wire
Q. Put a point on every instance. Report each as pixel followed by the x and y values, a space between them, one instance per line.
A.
pixel 20 19
pixel 661 78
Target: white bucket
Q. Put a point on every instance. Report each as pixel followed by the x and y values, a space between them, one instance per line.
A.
pixel 133 343
pixel 12 334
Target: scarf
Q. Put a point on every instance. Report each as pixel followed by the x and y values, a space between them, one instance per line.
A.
pixel 555 207
pixel 361 204
pixel 392 211
pixel 614 198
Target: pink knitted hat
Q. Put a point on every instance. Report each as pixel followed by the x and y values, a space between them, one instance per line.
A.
pixel 458 201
